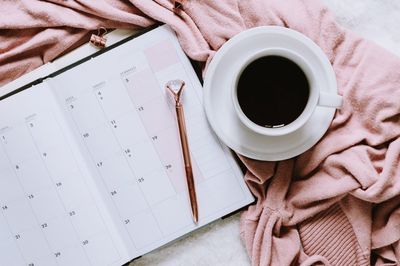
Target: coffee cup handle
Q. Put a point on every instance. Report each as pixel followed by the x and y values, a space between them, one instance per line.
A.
pixel 330 100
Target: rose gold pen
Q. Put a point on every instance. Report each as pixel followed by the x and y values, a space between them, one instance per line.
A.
pixel 176 89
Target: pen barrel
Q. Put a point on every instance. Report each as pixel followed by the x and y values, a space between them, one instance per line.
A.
pixel 192 192
pixel 183 135
pixel 187 160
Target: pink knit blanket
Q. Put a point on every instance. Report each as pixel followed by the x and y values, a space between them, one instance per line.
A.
pixel 338 203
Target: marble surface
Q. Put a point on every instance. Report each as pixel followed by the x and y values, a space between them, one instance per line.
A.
pixel 219 243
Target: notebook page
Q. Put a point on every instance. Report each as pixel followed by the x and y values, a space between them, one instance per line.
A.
pixel 120 111
pixel 49 214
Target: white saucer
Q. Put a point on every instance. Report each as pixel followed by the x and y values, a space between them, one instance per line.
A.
pixel 218 102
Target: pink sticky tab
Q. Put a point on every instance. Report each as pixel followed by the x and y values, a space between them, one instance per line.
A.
pixel 161 55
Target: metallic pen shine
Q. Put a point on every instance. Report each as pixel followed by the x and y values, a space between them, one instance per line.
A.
pixel 176 88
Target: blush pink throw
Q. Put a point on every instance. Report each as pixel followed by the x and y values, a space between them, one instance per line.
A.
pixel 338 203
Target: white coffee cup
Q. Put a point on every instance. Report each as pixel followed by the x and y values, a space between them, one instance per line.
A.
pixel 317 97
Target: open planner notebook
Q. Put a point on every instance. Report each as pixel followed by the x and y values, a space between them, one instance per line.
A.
pixel 91 169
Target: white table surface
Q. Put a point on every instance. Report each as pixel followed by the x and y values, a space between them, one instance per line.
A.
pixel 219 243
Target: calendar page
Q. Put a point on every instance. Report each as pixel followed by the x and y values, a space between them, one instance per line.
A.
pixel 91 168
pixel 50 209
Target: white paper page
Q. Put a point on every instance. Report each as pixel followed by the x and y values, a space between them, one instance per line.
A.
pixel 49 214
pixel 120 111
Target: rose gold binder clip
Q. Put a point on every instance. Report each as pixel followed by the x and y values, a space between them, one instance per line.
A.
pixel 99 40
pixel 178 5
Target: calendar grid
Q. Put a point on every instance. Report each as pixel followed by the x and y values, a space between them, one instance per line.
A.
pixel 87 148
pixel 98 163
pixel 132 171
pixel 59 197
pixel 14 240
pixel 94 202
pixel 155 132
pixel 158 155
pixel 30 206
pixel 34 151
pixel 8 224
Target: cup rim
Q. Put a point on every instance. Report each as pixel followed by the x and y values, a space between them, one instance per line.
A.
pixel 308 109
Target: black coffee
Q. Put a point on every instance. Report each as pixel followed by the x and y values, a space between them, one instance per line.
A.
pixel 272 91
